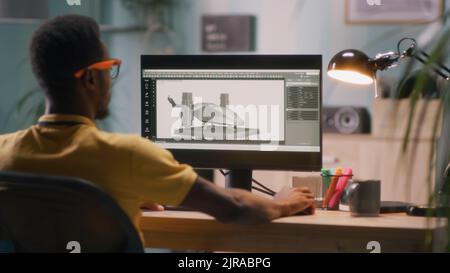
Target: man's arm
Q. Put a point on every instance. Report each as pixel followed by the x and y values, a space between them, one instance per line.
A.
pixel 243 207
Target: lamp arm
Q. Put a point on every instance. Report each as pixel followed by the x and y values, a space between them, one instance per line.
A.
pixel 385 61
pixel 413 51
pixel 423 59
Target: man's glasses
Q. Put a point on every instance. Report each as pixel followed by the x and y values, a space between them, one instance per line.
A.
pixel 113 65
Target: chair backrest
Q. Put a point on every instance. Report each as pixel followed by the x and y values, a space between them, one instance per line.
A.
pixel 41 213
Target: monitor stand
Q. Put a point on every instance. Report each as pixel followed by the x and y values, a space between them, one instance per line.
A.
pixel 239 179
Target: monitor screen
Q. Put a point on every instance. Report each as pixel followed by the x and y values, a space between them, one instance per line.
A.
pixel 221 110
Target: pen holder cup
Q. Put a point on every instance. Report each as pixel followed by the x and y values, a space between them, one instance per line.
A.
pixel 331 197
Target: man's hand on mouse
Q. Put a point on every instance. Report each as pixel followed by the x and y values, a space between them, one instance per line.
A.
pixel 299 200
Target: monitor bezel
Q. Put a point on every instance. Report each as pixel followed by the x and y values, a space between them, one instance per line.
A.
pixel 230 159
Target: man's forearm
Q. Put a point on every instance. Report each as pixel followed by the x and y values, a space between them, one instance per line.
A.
pixel 242 207
pixel 232 205
pixel 255 209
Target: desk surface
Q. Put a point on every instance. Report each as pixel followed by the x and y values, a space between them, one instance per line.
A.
pixel 326 231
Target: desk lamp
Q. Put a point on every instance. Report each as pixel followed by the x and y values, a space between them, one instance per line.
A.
pixel 354 66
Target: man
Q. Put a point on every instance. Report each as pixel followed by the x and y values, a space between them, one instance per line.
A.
pixel 73 68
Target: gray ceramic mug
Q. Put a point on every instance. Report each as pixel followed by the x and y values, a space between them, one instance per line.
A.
pixel 364 198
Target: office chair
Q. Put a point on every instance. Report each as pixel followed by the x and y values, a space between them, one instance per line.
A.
pixel 41 213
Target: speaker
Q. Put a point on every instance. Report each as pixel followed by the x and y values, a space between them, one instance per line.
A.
pixel 345 120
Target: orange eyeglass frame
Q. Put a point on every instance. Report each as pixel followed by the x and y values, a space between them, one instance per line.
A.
pixel 103 65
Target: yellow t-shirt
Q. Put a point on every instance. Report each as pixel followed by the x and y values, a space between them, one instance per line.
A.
pixel 128 167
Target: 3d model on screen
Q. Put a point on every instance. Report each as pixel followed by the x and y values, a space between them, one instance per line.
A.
pixel 198 119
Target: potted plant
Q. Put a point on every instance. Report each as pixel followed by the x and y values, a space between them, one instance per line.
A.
pixel 439 157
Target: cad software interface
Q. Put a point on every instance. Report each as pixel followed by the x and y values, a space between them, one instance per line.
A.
pixel 232 109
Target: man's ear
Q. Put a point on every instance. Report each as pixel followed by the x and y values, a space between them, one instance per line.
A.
pixel 89 80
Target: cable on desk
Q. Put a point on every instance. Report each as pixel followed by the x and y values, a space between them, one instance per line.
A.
pixel 263 189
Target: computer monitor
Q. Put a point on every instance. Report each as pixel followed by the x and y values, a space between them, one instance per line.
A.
pixel 236 112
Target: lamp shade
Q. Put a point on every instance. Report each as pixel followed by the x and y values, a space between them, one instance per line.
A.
pixel 351 66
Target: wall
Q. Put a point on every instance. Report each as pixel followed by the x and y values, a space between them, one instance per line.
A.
pixel 301 27
pixel 15 73
pixel 283 27
pixel 16 78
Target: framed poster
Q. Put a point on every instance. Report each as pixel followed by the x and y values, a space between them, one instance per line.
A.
pixel 393 11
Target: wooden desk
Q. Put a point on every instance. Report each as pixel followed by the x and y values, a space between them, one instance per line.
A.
pixel 326 231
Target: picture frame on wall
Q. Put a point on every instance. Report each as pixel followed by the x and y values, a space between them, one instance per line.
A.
pixel 393 11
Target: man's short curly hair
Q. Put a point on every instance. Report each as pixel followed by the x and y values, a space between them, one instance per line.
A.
pixel 60 47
